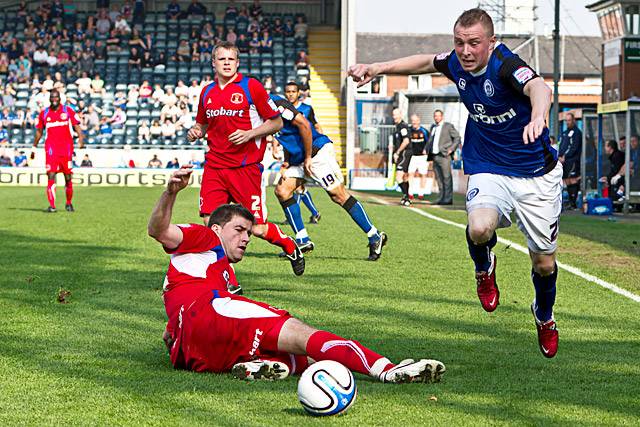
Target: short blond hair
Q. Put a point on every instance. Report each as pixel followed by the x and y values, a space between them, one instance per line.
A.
pixel 226 45
pixel 474 16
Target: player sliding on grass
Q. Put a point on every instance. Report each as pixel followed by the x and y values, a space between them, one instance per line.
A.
pixel 58 146
pixel 236 115
pixel 308 152
pixel 507 152
pixel 211 329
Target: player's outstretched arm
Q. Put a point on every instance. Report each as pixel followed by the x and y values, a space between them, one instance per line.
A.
pixel 540 95
pixel 160 227
pixel 414 64
pixel 304 128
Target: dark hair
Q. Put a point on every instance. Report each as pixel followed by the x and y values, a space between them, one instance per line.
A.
pixel 439 111
pixel 293 84
pixel 613 144
pixel 473 16
pixel 225 213
pixel 225 45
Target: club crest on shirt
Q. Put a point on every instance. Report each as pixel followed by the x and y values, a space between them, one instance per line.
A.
pixel 488 88
pixel 237 98
pixel 63 116
pixel 462 83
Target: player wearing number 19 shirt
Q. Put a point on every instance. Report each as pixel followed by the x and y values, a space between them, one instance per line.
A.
pixel 237 114
pixel 506 152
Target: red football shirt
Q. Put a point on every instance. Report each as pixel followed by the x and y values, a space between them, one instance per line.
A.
pixel 59 141
pixel 225 111
pixel 198 266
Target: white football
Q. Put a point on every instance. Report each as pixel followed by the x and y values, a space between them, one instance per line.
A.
pixel 327 388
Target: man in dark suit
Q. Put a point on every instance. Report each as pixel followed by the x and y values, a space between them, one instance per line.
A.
pixel 443 141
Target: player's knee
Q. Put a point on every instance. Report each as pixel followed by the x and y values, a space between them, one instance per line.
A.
pixel 340 196
pixel 259 230
pixel 480 232
pixel 282 193
pixel 544 266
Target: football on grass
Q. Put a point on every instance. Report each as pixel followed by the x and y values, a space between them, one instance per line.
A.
pixel 327 388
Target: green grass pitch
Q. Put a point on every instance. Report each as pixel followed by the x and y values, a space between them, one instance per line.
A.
pixel 99 359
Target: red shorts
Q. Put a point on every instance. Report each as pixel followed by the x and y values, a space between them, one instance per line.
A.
pixel 241 185
pixel 55 164
pixel 216 333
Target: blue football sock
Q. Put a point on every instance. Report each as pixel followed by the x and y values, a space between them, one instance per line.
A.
pixel 355 209
pixel 294 217
pixel 297 197
pixel 308 202
pixel 545 294
pixel 481 254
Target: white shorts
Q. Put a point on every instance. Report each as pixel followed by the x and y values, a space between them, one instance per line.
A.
pixel 324 169
pixel 419 164
pixel 537 203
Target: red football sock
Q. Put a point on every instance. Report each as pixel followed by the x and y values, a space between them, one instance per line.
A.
pixel 51 192
pixel 68 189
pixel 275 236
pixel 324 345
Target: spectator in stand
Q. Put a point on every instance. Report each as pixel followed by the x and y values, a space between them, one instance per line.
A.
pixel 136 41
pixel 100 50
pixel 195 162
pixel 169 112
pixel 103 24
pixel 5 161
pixel 23 74
pixel 185 120
pixel 4 135
pixel 173 164
pixel 62 60
pixel 160 61
pixel 30 31
pixel 84 84
pixel 256 10
pixel 254 26
pixel 147 60
pixel 90 28
pixel 302 62
pixel 19 121
pixel 30 118
pixel 231 35
pixel 90 120
pixel 158 94
pixel 97 85
pixel 196 9
pixel 145 91
pixel 268 84
pixel 114 13
pixel 181 89
pixel 118 119
pixel 155 130
pixel 23 10
pixel 183 52
pixel 148 42
pixel 126 9
pixel 8 96
pixel 219 35
pixel 232 11
pixel 105 126
pixel 242 43
pixel 173 11
pixel 113 42
pixel 266 42
pixel 301 28
pixel 133 95
pixel 19 159
pixel 41 58
pixel 78 34
pixel 243 13
pixel 122 26
pixel 254 43
pixel 278 27
pixel 134 59
pixel 194 93
pixel 207 32
pixel 85 63
pixel 615 178
pixel 288 29
pixel 28 48
pixel 155 162
pixel 86 162
pixel 120 100
pixel 144 134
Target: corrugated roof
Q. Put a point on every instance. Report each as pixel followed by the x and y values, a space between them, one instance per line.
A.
pixel 582 54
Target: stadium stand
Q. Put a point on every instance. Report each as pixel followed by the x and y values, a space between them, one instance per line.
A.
pixel 126 72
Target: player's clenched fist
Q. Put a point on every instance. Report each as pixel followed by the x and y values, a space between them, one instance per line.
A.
pixel 194 133
pixel 363 73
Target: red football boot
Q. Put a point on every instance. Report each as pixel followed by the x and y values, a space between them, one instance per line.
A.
pixel 488 292
pixel 547 335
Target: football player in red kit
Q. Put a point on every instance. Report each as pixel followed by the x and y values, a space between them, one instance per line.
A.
pixel 212 330
pixel 236 114
pixel 58 146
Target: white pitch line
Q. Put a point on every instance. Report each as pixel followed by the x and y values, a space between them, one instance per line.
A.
pixel 571 269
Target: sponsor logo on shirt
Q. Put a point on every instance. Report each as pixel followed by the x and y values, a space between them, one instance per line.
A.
pixel 523 74
pixel 481 115
pixel 56 124
pixel 462 83
pixel 223 112
pixel 237 98
pixel 488 88
pixel 256 342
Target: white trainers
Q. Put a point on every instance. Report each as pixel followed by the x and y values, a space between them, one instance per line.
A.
pixel 260 370
pixel 410 371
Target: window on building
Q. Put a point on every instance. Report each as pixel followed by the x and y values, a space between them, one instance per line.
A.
pixel 632 18
pixel 377 86
pixel 421 82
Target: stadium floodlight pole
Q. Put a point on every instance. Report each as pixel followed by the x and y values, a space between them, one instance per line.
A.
pixel 555 111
